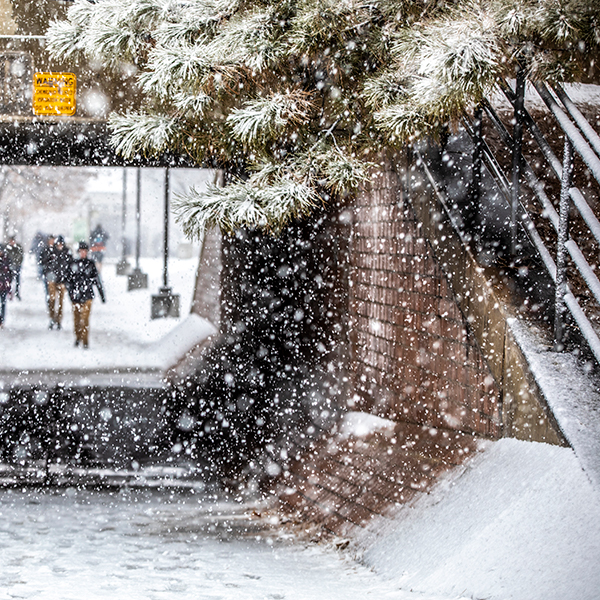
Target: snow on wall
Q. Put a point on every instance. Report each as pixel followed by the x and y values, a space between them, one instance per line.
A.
pixel 570 392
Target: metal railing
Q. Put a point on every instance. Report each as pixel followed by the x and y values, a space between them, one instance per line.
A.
pixel 579 139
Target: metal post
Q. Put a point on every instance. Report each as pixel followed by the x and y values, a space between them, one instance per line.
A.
pixel 165 303
pixel 563 236
pixel 516 155
pixel 166 232
pixel 6 228
pixel 475 191
pixel 138 215
pixel 138 280
pixel 123 265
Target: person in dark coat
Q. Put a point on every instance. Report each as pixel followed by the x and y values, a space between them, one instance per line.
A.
pixel 6 276
pixel 83 277
pixel 56 261
pixel 15 256
pixel 46 263
pixel 98 239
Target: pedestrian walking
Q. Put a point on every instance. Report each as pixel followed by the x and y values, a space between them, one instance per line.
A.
pixel 15 256
pixel 56 261
pixel 98 239
pixel 48 258
pixel 82 278
pixel 6 276
pixel 38 244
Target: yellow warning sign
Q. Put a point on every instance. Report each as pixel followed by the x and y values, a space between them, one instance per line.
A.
pixel 54 93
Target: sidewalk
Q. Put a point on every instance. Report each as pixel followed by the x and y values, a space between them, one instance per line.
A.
pixel 127 348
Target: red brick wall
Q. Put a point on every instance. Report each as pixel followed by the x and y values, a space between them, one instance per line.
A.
pixel 412 360
pixel 412 355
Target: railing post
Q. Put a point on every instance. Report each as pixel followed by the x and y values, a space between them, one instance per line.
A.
pixel 165 303
pixel 138 217
pixel 563 236
pixel 166 228
pixel 516 155
pixel 475 191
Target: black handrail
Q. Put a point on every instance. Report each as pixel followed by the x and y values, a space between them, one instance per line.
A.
pixel 574 142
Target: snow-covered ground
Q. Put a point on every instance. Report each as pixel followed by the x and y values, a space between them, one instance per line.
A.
pixel 144 545
pixel 123 337
pixel 521 522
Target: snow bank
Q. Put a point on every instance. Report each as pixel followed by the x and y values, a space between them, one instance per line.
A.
pixel 521 522
pixel 127 347
pixel 189 333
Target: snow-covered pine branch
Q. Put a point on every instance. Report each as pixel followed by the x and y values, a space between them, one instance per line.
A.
pixel 286 200
pixel 67 39
pixel 249 39
pixel 219 78
pixel 341 172
pixel 173 66
pixel 267 117
pixel 402 123
pixel 322 24
pixel 142 133
pixel 227 208
pixel 446 65
pixel 385 89
pixel 244 204
pixel 192 104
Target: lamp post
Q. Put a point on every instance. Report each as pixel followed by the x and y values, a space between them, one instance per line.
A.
pixel 137 280
pixel 123 265
pixel 165 303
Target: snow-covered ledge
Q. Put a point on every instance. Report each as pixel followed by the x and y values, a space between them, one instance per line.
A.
pixel 569 391
pixel 187 335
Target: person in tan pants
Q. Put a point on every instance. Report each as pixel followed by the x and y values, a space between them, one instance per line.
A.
pixel 56 259
pixel 82 278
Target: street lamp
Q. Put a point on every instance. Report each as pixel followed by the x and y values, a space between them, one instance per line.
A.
pixel 123 265
pixel 136 279
pixel 165 303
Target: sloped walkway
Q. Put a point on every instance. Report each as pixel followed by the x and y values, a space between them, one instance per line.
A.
pixel 127 347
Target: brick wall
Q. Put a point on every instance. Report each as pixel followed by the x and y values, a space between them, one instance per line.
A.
pixel 412 356
pixel 343 482
pixel 413 360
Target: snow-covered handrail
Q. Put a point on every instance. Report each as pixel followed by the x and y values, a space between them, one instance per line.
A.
pixel 578 199
pixel 587 130
pixel 579 143
pixel 579 259
pixel 565 300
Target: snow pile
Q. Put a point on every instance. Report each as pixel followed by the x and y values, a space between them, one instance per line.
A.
pixel 360 425
pixel 180 339
pixel 521 522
